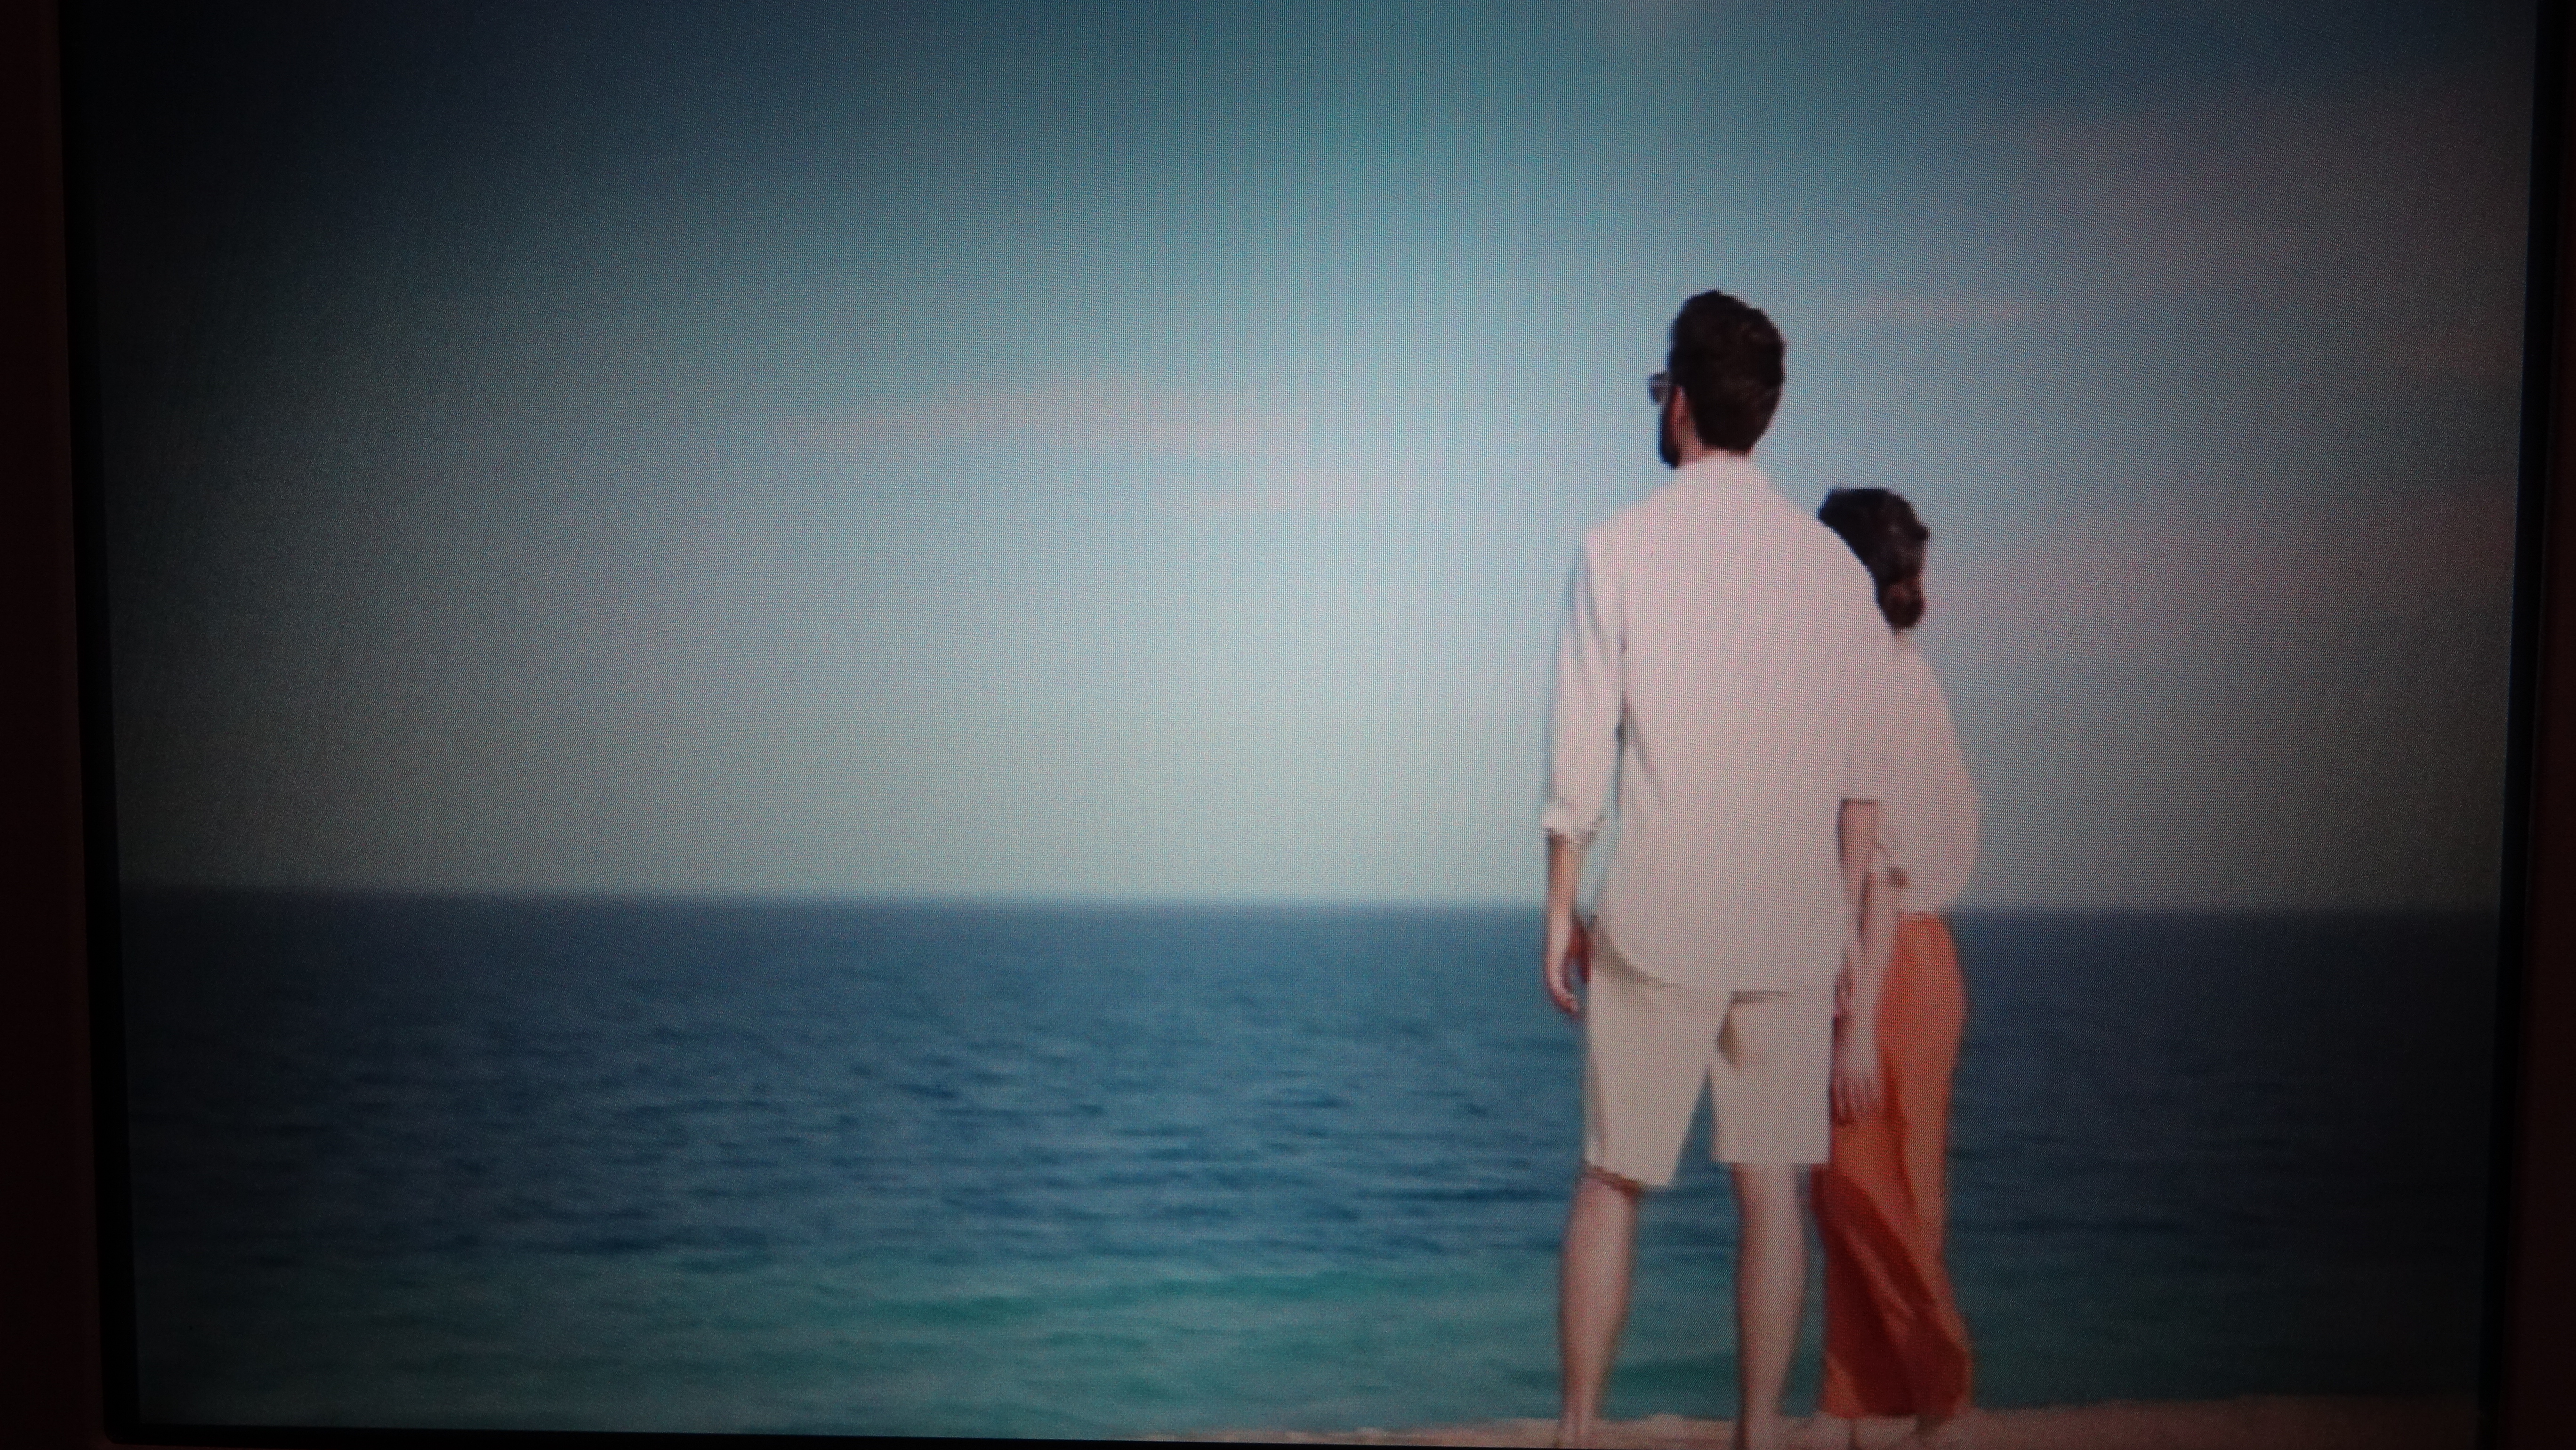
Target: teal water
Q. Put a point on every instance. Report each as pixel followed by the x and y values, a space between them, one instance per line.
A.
pixel 1075 1173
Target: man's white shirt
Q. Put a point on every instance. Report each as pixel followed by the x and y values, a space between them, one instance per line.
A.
pixel 1723 661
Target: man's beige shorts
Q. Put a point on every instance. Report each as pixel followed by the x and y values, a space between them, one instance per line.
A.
pixel 1767 1058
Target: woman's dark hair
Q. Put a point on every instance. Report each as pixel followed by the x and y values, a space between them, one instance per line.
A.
pixel 1726 358
pixel 1881 527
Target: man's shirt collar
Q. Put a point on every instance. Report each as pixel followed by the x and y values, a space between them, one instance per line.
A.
pixel 1730 471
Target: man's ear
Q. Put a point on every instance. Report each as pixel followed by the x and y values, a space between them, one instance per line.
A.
pixel 1685 432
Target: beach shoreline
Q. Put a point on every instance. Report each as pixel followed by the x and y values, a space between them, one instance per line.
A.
pixel 2250 1422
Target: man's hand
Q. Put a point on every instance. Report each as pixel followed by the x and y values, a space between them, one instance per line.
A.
pixel 1855 1070
pixel 1566 959
pixel 1568 964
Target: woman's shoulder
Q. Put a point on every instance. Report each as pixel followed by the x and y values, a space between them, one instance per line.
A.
pixel 1912 669
pixel 1916 684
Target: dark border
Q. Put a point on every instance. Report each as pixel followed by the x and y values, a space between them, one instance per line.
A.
pixel 111 1178
pixel 2532 1336
pixel 49 1392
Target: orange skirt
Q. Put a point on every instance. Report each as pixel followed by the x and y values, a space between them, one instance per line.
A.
pixel 1894 1341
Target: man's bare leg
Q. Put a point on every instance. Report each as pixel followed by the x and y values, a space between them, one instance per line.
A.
pixel 1770 1285
pixel 1592 1295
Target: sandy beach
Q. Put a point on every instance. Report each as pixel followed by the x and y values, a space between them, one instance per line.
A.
pixel 2264 1422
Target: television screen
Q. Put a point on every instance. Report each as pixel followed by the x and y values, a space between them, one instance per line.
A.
pixel 836 721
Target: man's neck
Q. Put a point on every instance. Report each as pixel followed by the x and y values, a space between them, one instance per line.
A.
pixel 1693 451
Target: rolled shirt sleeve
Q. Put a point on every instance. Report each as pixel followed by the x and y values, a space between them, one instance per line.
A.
pixel 1583 727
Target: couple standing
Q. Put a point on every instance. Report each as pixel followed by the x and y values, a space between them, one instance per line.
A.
pixel 1792 809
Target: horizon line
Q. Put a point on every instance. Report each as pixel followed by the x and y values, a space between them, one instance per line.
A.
pixel 1035 901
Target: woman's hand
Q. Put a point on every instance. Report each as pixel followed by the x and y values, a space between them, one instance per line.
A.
pixel 1855 1070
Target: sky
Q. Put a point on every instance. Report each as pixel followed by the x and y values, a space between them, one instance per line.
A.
pixel 1136 451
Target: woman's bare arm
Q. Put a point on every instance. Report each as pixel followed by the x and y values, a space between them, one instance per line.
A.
pixel 1875 890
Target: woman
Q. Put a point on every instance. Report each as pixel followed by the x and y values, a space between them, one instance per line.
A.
pixel 1894 1342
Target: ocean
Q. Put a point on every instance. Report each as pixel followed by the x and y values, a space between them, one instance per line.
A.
pixel 1114 1171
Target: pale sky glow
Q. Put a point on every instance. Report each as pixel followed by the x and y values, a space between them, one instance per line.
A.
pixel 1127 453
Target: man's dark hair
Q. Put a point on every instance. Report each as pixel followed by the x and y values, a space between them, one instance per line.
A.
pixel 1726 358
pixel 1881 527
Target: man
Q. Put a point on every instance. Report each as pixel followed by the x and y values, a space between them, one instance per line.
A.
pixel 1721 659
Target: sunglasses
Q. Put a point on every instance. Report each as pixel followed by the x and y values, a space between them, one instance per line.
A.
pixel 1659 387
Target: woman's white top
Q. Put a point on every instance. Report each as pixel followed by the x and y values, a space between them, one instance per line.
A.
pixel 1928 822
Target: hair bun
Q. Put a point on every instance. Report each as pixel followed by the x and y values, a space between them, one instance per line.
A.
pixel 1901 600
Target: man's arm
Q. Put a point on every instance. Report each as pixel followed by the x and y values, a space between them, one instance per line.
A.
pixel 1873 898
pixel 1567 958
pixel 1583 755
